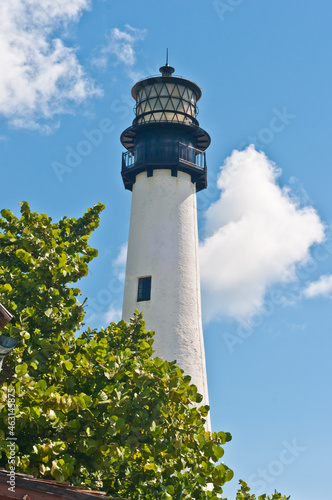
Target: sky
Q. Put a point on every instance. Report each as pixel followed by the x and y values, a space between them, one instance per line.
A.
pixel 66 71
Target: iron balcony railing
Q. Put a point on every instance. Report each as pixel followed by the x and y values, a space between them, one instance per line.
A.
pixel 165 153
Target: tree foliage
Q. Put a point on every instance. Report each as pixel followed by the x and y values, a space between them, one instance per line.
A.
pixel 95 408
pixel 243 494
pixel 38 260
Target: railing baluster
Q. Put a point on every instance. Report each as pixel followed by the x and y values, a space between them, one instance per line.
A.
pixel 172 152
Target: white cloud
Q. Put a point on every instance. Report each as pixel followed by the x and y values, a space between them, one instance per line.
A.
pixel 320 288
pixel 119 263
pixel 40 76
pixel 121 259
pixel 121 45
pixel 114 314
pixel 256 235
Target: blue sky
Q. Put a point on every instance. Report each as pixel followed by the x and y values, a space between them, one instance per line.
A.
pixel 66 70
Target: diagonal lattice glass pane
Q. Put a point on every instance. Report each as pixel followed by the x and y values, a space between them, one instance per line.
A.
pixel 186 107
pixel 143 94
pixel 147 91
pixel 164 91
pixel 147 107
pixel 153 103
pixel 192 97
pixel 157 116
pixel 182 90
pixel 180 107
pixel 185 94
pixel 175 103
pixel 158 105
pixel 170 116
pixel 170 105
pixel 170 88
pixel 163 101
pixel 158 87
pixel 192 110
pixel 142 107
pixel 176 92
pixel 153 92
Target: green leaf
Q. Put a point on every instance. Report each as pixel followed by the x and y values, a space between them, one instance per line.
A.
pixel 69 365
pixel 24 256
pixel 5 288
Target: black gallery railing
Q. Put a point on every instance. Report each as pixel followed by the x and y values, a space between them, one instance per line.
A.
pixel 168 153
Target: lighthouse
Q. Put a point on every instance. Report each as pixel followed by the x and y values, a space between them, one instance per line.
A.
pixel 164 167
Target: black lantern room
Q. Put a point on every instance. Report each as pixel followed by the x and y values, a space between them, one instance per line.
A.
pixel 165 133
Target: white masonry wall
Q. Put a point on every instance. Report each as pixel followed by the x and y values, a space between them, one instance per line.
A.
pixel 163 244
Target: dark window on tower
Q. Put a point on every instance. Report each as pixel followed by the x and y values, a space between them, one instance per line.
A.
pixel 144 289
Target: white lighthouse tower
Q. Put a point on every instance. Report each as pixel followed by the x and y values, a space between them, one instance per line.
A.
pixel 164 167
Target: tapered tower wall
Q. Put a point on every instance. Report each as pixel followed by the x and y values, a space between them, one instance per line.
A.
pixel 163 244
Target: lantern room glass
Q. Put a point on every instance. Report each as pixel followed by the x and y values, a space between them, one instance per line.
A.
pixel 170 102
